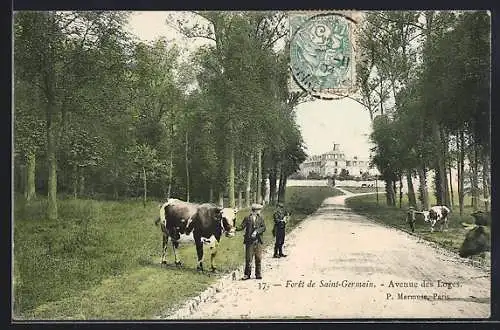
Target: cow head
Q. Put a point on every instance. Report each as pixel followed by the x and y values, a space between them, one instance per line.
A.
pixel 225 223
pixel 481 218
pixel 433 215
pixel 426 215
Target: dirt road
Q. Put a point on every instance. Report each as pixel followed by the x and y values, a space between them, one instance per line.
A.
pixel 342 265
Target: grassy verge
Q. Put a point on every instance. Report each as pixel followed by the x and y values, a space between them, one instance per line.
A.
pixel 395 217
pixel 101 260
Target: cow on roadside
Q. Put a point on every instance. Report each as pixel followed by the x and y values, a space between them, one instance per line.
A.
pixel 478 238
pixel 436 215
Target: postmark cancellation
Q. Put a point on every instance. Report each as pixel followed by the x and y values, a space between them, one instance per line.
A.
pixel 323 53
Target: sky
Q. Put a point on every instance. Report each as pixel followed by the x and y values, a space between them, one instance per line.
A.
pixel 322 122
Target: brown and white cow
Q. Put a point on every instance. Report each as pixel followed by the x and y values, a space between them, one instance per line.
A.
pixel 437 215
pixel 204 220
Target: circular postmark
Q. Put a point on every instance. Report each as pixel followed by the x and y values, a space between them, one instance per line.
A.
pixel 322 58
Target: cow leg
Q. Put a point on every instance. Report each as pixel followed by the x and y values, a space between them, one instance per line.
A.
pixel 199 250
pixel 164 248
pixel 213 253
pixel 175 246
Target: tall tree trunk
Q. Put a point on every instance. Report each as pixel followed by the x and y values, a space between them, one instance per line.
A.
pixel 30 176
pixel 232 202
pixel 49 88
pixel 263 188
pixel 115 183
pixel 281 187
pixel 411 190
pixel 400 190
pixel 380 95
pixel 170 174
pixel 452 197
pixel 259 175
pixel 221 199
pixel 390 193
pixel 444 141
pixel 249 181
pixel 76 178
pixel 473 160
pixel 272 185
pixel 440 169
pixel 424 193
pixel 211 194
pixel 187 166
pixel 376 189
pixel 82 181
pixel 52 161
pixel 461 176
pixel 144 178
pixel 486 184
pixel 240 199
pixel 394 189
pixel 20 180
pixel 438 187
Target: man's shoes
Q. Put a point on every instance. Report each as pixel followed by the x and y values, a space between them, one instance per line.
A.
pixel 246 277
pixel 258 277
pixel 282 255
pixel 276 256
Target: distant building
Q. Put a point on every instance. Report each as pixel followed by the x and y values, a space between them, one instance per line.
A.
pixel 333 162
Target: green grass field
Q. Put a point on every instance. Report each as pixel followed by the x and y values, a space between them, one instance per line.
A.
pixel 101 259
pixel 395 217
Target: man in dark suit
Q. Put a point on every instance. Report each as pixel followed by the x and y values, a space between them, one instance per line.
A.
pixel 254 226
pixel 280 218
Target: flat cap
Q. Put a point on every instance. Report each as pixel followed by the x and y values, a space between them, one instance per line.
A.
pixel 256 206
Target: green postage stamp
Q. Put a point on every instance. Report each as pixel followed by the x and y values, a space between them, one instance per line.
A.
pixel 323 52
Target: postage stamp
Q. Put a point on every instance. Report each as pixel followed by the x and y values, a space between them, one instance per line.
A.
pixel 230 165
pixel 323 53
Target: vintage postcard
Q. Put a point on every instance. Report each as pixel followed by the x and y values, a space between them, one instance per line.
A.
pixel 230 165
